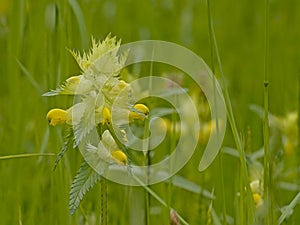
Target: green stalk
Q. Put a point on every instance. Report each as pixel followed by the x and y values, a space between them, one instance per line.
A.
pixel 103 182
pixel 214 86
pixel 232 122
pixel 298 147
pixel 268 219
pixel 241 200
pixel 25 155
pixel 148 163
pixel 160 200
pixel 172 139
pixel 146 149
pixel 104 214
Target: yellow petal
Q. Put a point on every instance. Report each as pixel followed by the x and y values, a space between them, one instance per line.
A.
pixel 120 157
pixel 56 117
pixel 142 112
pixel 257 199
pixel 106 119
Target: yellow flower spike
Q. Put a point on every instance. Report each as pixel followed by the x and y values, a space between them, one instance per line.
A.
pixel 106 116
pixel 120 157
pixel 142 113
pixel 56 117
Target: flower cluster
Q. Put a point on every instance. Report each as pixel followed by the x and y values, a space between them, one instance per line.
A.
pixel 96 90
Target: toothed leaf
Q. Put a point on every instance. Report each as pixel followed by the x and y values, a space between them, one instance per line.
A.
pixel 68 139
pixel 85 179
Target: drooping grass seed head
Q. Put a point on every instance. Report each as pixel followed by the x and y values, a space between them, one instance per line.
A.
pixel 56 117
pixel 120 157
pixel 141 112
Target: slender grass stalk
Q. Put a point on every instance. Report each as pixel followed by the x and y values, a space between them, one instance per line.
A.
pixel 104 214
pixel 160 200
pixel 232 122
pixel 148 163
pixel 103 184
pixel 147 151
pixel 172 139
pixel 298 147
pixel 268 219
pixel 25 155
pixel 212 55
pixel 20 216
pixel 224 222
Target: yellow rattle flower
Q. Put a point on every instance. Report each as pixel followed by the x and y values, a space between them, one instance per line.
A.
pixel 141 112
pixel 56 117
pixel 106 116
pixel 120 157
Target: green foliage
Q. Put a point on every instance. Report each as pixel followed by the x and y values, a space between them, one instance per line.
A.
pixel 68 140
pixel 34 38
pixel 84 180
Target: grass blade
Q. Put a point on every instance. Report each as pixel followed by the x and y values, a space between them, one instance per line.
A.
pixel 288 210
pixel 25 155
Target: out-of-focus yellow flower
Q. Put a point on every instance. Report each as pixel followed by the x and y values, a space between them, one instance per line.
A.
pixel 289 128
pixel 56 117
pixel 257 192
pixel 141 112
pixel 257 199
pixel 120 157
pixel 205 130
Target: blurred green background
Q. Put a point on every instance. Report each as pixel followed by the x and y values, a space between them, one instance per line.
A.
pixel 34 38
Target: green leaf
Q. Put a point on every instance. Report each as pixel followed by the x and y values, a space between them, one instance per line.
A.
pixel 81 22
pixel 29 76
pixel 288 210
pixel 185 184
pixel 68 139
pixel 85 179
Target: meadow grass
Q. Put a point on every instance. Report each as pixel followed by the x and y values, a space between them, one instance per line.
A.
pixel 34 40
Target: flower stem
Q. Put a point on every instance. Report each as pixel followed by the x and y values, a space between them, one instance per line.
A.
pixel 103 188
pixel 104 213
pixel 267 153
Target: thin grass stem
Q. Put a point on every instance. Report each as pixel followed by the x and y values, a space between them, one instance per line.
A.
pixel 147 151
pixel 25 155
pixel 104 213
pixel 216 116
pixel 268 219
pixel 232 122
